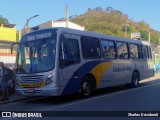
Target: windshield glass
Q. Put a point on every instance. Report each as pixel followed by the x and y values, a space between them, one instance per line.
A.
pixel 36 56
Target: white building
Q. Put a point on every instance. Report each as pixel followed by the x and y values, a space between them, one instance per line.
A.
pixel 52 23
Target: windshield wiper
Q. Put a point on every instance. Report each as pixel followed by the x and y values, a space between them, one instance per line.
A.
pixel 39 46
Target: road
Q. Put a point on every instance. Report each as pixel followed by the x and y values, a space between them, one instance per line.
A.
pixel 144 98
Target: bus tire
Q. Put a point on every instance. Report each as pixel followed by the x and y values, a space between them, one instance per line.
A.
pixel 86 87
pixel 135 79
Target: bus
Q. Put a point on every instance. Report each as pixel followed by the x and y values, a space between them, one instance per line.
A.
pixel 61 61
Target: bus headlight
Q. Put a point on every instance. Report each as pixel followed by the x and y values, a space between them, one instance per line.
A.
pixel 49 79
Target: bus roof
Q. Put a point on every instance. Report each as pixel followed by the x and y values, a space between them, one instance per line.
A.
pixel 90 34
pixel 102 36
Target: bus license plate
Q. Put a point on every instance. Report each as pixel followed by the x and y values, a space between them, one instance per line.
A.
pixel 30 90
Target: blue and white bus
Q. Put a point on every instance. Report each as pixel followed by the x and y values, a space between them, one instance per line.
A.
pixel 61 61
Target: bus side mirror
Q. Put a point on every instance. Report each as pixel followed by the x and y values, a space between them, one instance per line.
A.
pixel 12 46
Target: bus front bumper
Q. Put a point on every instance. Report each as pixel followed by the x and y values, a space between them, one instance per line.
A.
pixel 38 92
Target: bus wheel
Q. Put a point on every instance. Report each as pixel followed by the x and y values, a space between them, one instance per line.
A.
pixel 86 88
pixel 135 79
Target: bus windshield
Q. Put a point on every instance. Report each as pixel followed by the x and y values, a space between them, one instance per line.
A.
pixel 36 56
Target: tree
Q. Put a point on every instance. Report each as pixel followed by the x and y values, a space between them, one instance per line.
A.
pixel 98 9
pixel 109 9
pixel 3 20
pixel 89 9
pixel 144 35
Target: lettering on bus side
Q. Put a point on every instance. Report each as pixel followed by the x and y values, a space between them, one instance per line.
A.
pixel 122 69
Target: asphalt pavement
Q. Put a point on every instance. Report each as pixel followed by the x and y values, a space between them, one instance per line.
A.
pixel 114 101
pixel 15 98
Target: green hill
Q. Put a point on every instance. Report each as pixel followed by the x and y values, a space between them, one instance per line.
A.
pixel 113 22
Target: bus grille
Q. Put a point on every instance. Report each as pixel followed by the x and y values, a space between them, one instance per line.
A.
pixel 32 78
pixel 35 81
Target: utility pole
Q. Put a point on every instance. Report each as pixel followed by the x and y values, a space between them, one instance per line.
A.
pixel 126 25
pixel 149 36
pixel 67 16
pixel 159 38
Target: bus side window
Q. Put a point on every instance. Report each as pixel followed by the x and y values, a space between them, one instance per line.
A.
pixel 144 52
pixel 141 53
pixel 91 47
pixel 134 51
pixel 108 49
pixel 69 52
pixel 122 50
pixel 150 52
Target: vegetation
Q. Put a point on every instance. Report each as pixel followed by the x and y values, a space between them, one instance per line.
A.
pixel 3 20
pixel 113 22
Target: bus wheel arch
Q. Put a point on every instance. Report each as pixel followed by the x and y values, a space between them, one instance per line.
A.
pixel 135 78
pixel 87 85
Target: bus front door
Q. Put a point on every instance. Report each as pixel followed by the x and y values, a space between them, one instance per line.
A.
pixel 69 60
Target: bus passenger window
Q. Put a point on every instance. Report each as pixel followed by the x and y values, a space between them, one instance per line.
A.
pixel 144 52
pixel 134 51
pixel 150 52
pixel 122 50
pixel 90 47
pixel 108 49
pixel 69 52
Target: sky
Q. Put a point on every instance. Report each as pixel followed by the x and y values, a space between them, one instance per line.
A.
pixel 18 11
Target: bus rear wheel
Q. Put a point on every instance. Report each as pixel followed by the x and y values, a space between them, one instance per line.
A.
pixel 86 88
pixel 135 79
